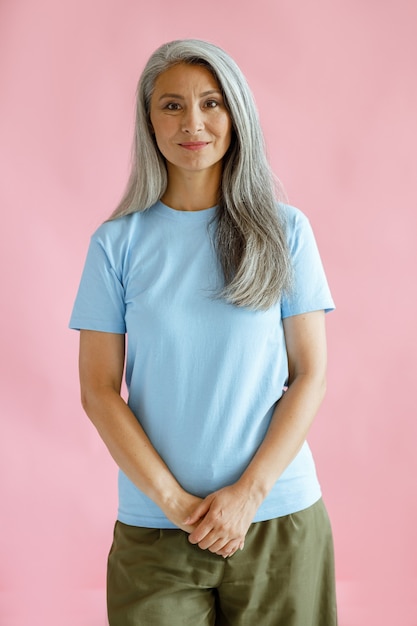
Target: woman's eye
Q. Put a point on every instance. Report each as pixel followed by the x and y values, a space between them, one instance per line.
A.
pixel 211 104
pixel 173 106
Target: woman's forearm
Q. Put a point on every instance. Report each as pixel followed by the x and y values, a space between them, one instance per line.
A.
pixel 287 432
pixel 131 449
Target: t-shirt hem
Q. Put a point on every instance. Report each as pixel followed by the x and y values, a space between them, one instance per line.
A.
pixel 326 307
pixel 99 325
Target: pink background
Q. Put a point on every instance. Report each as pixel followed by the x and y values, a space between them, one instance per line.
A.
pixel 335 83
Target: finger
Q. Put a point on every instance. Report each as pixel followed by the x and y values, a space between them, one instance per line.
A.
pixel 203 534
pixel 211 539
pixel 229 549
pixel 198 513
pixel 216 546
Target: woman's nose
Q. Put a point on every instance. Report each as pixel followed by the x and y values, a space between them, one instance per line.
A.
pixel 192 121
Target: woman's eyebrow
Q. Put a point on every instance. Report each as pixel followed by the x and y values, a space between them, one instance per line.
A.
pixel 180 97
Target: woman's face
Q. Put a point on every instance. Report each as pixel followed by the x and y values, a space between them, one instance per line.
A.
pixel 192 127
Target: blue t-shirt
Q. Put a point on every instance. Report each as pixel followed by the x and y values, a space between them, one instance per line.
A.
pixel 203 375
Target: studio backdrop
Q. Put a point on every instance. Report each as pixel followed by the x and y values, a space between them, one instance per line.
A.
pixel 337 96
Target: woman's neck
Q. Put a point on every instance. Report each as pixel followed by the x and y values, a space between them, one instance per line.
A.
pixel 192 191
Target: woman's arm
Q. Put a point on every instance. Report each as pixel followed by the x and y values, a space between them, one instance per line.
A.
pixel 305 338
pixel 230 511
pixel 101 366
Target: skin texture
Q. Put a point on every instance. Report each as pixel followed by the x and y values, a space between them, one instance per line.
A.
pixel 193 131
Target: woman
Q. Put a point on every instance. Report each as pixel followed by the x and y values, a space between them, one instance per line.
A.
pixel 222 295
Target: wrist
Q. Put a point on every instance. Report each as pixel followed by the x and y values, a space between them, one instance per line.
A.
pixel 254 488
pixel 178 505
pixel 167 494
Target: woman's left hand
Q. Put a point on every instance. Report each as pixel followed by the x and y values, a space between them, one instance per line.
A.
pixel 223 519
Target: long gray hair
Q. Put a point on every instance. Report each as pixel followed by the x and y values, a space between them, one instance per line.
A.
pixel 250 235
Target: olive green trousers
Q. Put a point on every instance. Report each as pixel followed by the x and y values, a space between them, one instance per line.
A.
pixel 284 576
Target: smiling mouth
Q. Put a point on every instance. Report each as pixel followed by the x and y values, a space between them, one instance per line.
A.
pixel 194 145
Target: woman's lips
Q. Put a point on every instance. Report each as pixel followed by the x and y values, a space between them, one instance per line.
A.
pixel 194 145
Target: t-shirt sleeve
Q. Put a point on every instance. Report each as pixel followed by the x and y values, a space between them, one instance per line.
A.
pixel 100 302
pixel 310 290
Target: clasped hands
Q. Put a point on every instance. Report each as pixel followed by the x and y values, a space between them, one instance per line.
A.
pixel 220 521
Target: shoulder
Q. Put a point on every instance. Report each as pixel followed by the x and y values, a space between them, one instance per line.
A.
pixel 295 222
pixel 116 238
pixel 120 234
pixel 291 216
pixel 116 229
